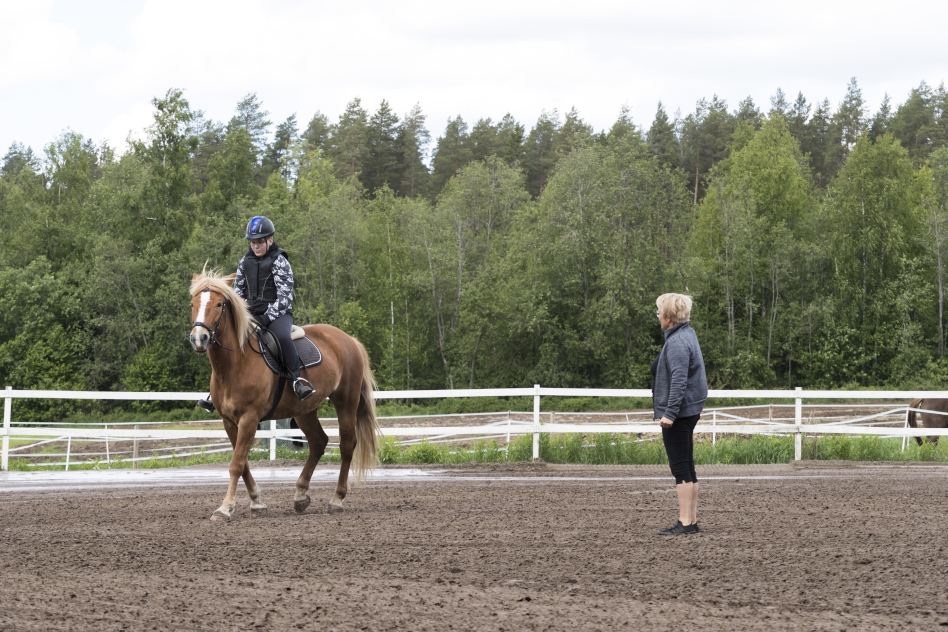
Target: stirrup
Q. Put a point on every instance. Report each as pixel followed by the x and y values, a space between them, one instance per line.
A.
pixel 206 404
pixel 303 388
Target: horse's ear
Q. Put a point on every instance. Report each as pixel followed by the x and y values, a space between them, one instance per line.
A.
pixel 229 279
pixel 194 277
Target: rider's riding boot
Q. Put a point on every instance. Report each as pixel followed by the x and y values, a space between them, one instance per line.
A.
pixel 206 404
pixel 303 388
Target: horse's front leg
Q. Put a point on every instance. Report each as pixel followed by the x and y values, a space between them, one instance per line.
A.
pixel 242 438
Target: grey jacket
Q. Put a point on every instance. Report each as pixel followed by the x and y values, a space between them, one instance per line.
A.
pixel 681 386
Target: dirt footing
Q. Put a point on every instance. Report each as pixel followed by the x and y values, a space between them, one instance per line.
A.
pixel 824 546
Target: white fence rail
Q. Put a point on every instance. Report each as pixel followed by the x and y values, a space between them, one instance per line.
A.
pixel 721 421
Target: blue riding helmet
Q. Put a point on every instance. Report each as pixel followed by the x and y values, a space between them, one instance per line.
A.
pixel 259 227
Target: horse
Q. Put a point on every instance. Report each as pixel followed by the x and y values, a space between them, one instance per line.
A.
pixel 930 421
pixel 243 390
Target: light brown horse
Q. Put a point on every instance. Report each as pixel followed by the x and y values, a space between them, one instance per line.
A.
pixel 929 421
pixel 243 388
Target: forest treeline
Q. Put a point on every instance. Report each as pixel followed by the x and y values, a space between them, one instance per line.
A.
pixel 812 238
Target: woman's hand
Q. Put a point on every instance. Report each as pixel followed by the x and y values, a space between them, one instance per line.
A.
pixel 665 422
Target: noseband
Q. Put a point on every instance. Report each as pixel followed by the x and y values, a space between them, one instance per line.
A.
pixel 213 332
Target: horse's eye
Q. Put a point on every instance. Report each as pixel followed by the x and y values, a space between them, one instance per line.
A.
pixel 220 304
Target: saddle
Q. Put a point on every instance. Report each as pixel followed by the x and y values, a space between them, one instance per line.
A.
pixel 309 353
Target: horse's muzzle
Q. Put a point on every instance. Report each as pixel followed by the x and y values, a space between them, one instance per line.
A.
pixel 200 339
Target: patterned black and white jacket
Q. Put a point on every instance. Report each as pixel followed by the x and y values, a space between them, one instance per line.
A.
pixel 269 278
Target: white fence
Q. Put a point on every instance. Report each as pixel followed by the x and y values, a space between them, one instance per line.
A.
pixel 715 420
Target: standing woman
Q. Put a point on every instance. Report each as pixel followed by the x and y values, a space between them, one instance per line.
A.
pixel 678 396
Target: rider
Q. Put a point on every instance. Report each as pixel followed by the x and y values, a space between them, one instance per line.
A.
pixel 265 281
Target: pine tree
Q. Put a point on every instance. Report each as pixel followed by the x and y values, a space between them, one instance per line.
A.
pixel 347 143
pixel 452 153
pixel 851 117
pixel 381 164
pixel 285 137
pixel 252 117
pixel 412 142
pixel 880 122
pixel 779 104
pixel 510 141
pixel 662 140
pixel 483 139
pixel 541 156
pixel 797 117
pixel 317 132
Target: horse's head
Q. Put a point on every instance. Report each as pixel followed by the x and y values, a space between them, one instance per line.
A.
pixel 208 305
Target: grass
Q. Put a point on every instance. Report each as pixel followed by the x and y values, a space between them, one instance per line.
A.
pixel 594 449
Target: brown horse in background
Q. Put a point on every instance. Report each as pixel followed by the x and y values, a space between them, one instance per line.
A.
pixel 929 421
pixel 243 389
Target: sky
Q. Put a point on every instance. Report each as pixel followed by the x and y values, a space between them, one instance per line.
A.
pixel 94 66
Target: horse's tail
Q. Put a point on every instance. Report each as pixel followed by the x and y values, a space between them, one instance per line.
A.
pixel 910 419
pixel 366 456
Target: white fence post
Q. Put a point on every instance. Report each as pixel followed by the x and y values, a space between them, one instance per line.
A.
pixel 714 426
pixel 135 451
pixel 798 436
pixel 536 422
pixel 7 411
pixel 108 458
pixel 905 435
pixel 273 441
pixel 68 450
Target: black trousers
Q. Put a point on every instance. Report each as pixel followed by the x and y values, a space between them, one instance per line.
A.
pixel 680 448
pixel 281 329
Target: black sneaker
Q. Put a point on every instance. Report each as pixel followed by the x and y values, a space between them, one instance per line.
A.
pixel 680 529
pixel 207 404
pixel 668 530
pixel 303 388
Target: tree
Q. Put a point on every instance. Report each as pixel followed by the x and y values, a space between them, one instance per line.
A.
pixel 779 104
pixel 880 122
pixel 541 154
pixel 381 164
pixel 662 141
pixel 412 143
pixel 252 117
pixel 916 125
pixel 167 153
pixel 284 139
pixel 317 131
pixel 347 142
pixel 510 141
pixel 876 216
pixel 451 154
pixel 851 116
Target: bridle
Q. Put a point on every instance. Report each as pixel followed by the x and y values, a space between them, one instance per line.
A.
pixel 213 332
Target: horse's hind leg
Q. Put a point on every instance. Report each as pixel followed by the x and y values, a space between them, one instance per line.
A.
pixel 316 436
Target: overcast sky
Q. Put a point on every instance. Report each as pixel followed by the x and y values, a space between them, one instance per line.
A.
pixel 94 66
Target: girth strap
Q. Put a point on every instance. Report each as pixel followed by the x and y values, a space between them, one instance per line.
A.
pixel 281 384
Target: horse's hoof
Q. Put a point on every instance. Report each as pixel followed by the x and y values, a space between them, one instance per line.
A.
pixel 258 513
pixel 333 509
pixel 219 516
pixel 301 505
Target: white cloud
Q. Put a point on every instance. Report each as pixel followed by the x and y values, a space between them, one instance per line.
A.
pixel 34 46
pixel 522 57
pixel 133 123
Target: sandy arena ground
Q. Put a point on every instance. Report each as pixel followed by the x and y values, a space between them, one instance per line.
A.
pixel 814 547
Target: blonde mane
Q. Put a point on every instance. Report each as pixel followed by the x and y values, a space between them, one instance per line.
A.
pixel 211 280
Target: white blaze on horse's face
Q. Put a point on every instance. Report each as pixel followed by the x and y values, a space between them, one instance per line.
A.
pixel 200 334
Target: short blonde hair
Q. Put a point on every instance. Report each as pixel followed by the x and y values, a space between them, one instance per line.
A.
pixel 675 307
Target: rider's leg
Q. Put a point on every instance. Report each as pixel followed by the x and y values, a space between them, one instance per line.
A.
pixel 281 328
